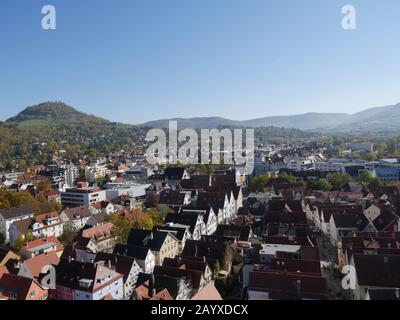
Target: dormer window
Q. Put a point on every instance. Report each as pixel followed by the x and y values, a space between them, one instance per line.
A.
pixel 85 283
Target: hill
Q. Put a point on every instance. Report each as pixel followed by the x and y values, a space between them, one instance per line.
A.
pixel 54 113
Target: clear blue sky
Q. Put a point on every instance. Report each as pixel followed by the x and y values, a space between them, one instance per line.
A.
pixel 139 60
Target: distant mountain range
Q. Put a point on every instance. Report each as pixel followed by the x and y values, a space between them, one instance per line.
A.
pixel 372 119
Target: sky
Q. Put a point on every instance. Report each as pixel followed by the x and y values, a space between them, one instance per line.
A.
pixel 140 60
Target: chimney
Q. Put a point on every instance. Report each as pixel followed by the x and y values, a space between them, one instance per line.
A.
pixel 109 264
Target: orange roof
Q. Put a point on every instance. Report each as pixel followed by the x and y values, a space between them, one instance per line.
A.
pixel 209 292
pixel 36 243
pixel 36 264
pixel 101 231
pixel 41 217
pixel 143 292
pixel 3 270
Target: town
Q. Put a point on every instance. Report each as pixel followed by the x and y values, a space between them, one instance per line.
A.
pixel 311 218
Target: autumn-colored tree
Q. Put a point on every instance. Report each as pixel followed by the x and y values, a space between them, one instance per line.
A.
pixel 29 237
pixel 19 242
pixel 159 214
pixel 121 228
pixel 44 186
pixel 142 220
pixel 9 199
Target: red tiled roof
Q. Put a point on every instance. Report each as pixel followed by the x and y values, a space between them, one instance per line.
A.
pixel 38 242
pixel 209 292
pixel 35 265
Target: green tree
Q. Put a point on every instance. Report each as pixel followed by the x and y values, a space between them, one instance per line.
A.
pixel 374 183
pixel 338 179
pixel 366 177
pixel 391 146
pixel 68 236
pixel 321 184
pixel 287 176
pixel 257 184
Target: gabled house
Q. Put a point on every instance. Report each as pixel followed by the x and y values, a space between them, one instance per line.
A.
pixel 191 265
pixel 87 281
pixel 215 252
pixel 41 225
pixel 10 215
pixel 375 271
pixel 195 221
pixel 75 218
pixel 32 268
pixel 151 286
pixel 220 203
pixel 209 218
pixel 386 221
pixel 102 237
pixel 41 246
pixel 174 198
pixel 181 233
pixel 147 292
pixel 365 242
pixel 14 287
pixel 174 175
pixel 162 244
pixel 127 266
pixel 143 255
pixel 342 225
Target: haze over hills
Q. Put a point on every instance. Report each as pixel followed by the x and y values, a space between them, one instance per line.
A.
pixel 377 118
pixel 195 123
